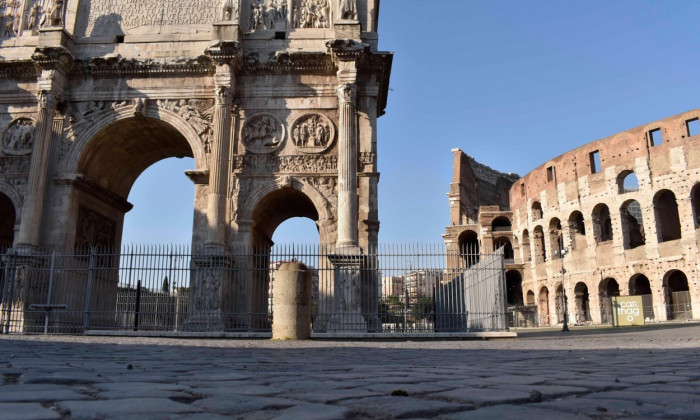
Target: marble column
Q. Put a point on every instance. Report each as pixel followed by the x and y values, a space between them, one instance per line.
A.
pixel 30 229
pixel 347 167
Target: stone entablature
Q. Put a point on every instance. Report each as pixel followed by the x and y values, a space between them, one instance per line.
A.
pixel 625 208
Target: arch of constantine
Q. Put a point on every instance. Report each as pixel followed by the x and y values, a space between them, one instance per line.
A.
pixel 276 100
pixel 617 216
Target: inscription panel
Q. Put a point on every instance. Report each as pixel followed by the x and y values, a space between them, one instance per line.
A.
pixel 116 17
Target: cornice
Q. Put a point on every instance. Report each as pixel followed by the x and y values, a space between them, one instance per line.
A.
pixel 118 66
pixel 53 58
pixel 290 62
pixel 225 52
pixel 24 70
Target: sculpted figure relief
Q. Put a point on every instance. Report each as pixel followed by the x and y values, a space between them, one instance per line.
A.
pixel 263 133
pixel 348 10
pixel 312 14
pixel 19 137
pixel 268 14
pixel 313 133
pixel 229 10
pixel 10 25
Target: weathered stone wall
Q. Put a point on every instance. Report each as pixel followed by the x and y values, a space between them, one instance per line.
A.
pixel 654 246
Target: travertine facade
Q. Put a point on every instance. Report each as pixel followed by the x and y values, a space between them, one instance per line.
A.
pixel 624 212
pixel 276 100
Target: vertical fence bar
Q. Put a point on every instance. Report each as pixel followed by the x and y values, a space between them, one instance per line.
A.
pixel 88 292
pixel 48 293
pixel 137 305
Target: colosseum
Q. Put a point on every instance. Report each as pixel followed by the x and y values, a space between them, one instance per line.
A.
pixel 618 216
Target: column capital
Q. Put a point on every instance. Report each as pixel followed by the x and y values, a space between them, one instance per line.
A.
pixel 347 93
pixel 54 59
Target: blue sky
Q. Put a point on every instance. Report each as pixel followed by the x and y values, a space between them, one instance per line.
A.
pixel 511 83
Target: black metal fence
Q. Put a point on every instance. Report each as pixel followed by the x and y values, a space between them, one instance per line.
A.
pixel 390 289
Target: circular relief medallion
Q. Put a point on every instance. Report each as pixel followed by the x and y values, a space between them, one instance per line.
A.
pixel 313 133
pixel 263 133
pixel 18 137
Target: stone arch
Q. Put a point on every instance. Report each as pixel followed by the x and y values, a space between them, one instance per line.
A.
pixel 106 160
pixel 321 213
pixel 559 302
pixel 501 224
pixel 536 210
pixel 607 288
pixel 525 246
pixel 627 182
pixel 197 148
pixel 582 302
pixel 544 306
pixel 577 227
pixel 639 285
pixel 514 289
pixel 602 223
pixel 632 224
pixel 555 238
pixel 668 223
pixel 695 203
pixel 530 298
pixel 677 295
pixel 538 238
pixel 503 241
pixel 8 221
pixel 469 247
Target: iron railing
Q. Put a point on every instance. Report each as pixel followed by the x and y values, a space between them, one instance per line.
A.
pixel 390 289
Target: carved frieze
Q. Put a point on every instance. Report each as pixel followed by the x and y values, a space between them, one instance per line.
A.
pixel 19 183
pixel 367 161
pixel 312 14
pixel 348 9
pixel 313 133
pixel 120 67
pixel 11 15
pixel 94 229
pixel 326 185
pixel 268 15
pixel 198 113
pixel 18 137
pixel 229 10
pixel 14 165
pixel 263 133
pixel 300 164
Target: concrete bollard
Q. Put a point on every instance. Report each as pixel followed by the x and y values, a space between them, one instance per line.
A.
pixel 291 307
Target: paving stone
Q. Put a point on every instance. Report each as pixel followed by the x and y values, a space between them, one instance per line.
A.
pixel 26 412
pixel 547 391
pixel 237 404
pixel 314 412
pixel 604 408
pixel 125 407
pixel 507 411
pixel 56 378
pixel 481 396
pixel 332 395
pixel 402 407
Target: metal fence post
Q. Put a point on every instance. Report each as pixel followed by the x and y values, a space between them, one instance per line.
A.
pixel 8 297
pixel 137 306
pixel 88 292
pixel 48 293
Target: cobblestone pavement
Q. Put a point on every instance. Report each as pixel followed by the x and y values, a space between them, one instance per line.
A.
pixel 601 374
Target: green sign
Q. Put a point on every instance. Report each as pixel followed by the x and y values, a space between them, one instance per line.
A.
pixel 627 310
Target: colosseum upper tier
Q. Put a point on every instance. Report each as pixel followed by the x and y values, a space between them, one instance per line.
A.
pixel 618 216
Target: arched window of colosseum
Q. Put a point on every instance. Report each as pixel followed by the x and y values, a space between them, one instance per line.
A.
pixel 504 243
pixel 530 298
pixel 538 237
pixel 536 210
pixel 544 306
pixel 639 286
pixel 695 202
pixel 469 247
pixel 607 289
pixel 501 224
pixel 556 241
pixel 668 224
pixel 602 224
pixel 677 295
pixel 627 182
pixel 693 127
pixel 527 256
pixel 582 303
pixel 578 231
pixel 514 290
pixel 559 303
pixel 632 224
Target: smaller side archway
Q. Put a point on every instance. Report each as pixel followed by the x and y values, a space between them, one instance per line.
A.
pixel 577 227
pixel 544 306
pixel 469 247
pixel 514 289
pixel 677 295
pixel 503 242
pixel 668 224
pixel 538 236
pixel 501 224
pixel 536 210
pixel 556 242
pixel 695 202
pixel 525 246
pixel 8 218
pixel 607 288
pixel 530 298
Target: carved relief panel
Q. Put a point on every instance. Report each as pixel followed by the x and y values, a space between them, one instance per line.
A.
pixel 268 15
pixel 313 133
pixel 18 137
pixel 312 14
pixel 94 229
pixel 263 133
pixel 11 15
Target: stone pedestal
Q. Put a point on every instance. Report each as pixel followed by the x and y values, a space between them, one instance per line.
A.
pixel 292 303
pixel 347 29
pixel 226 31
pixel 25 284
pixel 211 282
pixel 348 297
